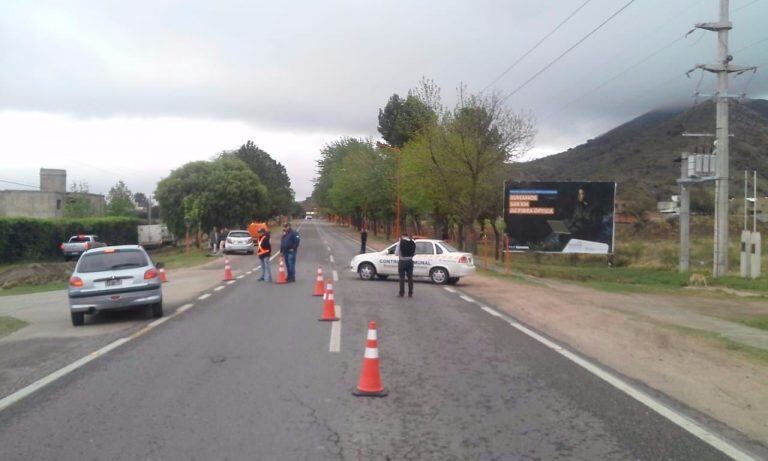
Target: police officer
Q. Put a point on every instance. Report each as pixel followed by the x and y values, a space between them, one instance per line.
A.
pixel 404 251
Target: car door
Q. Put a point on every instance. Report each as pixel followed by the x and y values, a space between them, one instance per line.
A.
pixel 386 262
pixel 423 259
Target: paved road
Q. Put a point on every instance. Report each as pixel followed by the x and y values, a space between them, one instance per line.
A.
pixel 247 374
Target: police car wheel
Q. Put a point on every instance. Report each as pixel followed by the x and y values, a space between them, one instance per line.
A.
pixel 439 275
pixel 366 271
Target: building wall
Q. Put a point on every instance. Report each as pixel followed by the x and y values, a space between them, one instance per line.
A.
pixel 41 204
pixel 32 204
pixel 53 180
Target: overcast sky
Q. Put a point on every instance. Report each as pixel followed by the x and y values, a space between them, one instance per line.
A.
pixel 130 90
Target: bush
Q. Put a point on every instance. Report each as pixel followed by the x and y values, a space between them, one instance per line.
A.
pixel 34 239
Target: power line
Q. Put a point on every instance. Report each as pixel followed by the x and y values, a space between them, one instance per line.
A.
pixel 744 6
pixel 551 63
pixel 751 45
pixel 19 183
pixel 506 71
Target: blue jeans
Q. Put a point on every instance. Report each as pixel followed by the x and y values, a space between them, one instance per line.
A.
pixel 266 270
pixel 290 265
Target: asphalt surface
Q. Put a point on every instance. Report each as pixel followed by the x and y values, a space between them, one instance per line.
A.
pixel 247 374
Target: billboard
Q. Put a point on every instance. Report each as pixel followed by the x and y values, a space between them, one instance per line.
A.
pixel 560 216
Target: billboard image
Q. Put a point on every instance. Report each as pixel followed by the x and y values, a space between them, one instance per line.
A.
pixel 560 216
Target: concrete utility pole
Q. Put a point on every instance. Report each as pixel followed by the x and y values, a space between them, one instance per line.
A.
pixel 722 68
pixel 685 213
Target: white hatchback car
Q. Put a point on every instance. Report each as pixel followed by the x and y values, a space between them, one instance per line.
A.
pixel 434 259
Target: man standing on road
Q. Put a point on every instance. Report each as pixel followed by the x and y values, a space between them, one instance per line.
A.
pixel 404 251
pixel 363 238
pixel 289 245
pixel 264 251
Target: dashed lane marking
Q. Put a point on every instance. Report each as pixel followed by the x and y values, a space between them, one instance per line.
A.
pixel 335 344
pixel 330 258
pixel 240 276
pixel 219 288
pixel 231 282
pixel 160 321
pixel 185 307
pixel 449 289
pixel 329 248
pixel 467 299
pixel 204 296
pixel 335 276
pixel 675 417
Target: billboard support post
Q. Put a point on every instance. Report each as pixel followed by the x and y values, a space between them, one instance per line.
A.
pixel 506 254
pixel 685 215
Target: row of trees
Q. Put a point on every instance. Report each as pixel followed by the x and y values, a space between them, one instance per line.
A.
pixel 448 164
pixel 230 190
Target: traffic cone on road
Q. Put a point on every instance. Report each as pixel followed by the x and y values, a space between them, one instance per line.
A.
pixel 227 271
pixel 281 275
pixel 163 277
pixel 370 379
pixel 329 306
pixel 319 283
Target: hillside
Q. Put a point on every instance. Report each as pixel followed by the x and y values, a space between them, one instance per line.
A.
pixel 639 155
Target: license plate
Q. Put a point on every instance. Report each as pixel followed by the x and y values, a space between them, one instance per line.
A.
pixel 114 283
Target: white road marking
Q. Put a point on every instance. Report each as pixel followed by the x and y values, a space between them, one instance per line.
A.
pixel 467 298
pixel 231 282
pixel 219 288
pixel 240 276
pixel 255 268
pixel 331 258
pixel 677 418
pixel 335 276
pixel 204 296
pixel 335 345
pixel 329 248
pixel 185 307
pixel 449 289
pixel 160 321
pixel 42 382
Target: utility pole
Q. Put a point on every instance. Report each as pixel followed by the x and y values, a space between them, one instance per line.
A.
pixel 685 213
pixel 722 68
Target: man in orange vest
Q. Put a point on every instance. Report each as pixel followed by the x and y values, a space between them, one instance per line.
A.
pixel 264 251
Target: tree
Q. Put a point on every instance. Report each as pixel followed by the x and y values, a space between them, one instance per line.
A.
pixel 272 175
pixel 141 199
pixel 223 192
pixel 119 201
pixel 77 204
pixel 401 119
pixel 466 152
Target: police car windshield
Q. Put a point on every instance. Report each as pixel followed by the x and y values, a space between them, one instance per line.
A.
pixel 448 248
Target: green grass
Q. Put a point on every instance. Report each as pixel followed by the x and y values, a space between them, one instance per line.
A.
pixel 755 322
pixel 176 257
pixel 27 289
pixel 9 324
pixel 749 352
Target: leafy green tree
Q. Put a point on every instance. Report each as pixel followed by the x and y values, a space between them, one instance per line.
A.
pixel 401 119
pixel 223 192
pixel 271 173
pixel 120 201
pixel 77 204
pixel 466 153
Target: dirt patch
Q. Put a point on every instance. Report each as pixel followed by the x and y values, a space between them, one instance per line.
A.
pixel 35 274
pixel 693 369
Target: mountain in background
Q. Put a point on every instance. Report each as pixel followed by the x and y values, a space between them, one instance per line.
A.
pixel 639 155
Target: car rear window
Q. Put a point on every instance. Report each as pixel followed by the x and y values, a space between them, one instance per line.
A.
pixel 119 259
pixel 240 234
pixel 78 239
pixel 448 248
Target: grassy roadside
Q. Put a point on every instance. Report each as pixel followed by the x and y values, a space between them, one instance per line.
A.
pixel 753 353
pixel 175 258
pixel 27 289
pixel 9 324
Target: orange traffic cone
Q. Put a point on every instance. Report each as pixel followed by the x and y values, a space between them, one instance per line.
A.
pixel 227 271
pixel 370 379
pixel 329 306
pixel 281 274
pixel 319 283
pixel 163 277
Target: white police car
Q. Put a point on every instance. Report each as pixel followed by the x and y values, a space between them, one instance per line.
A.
pixel 434 259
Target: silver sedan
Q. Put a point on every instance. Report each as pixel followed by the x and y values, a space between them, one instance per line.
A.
pixel 238 240
pixel 114 278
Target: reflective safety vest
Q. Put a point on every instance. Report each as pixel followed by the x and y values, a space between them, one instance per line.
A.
pixel 261 250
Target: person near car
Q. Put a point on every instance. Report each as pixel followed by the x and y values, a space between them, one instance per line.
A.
pixel 404 251
pixel 363 238
pixel 264 251
pixel 222 239
pixel 214 240
pixel 289 245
